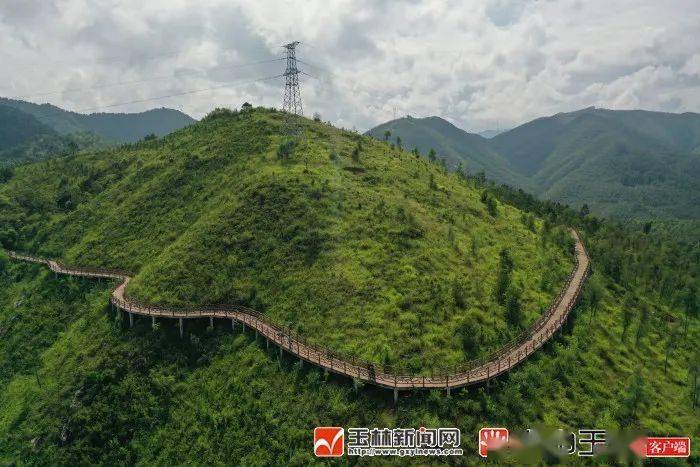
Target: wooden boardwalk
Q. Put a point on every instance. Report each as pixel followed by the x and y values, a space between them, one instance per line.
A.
pixel 472 372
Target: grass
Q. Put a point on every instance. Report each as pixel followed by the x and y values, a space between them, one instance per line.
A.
pixel 99 392
pixel 388 262
pixel 211 214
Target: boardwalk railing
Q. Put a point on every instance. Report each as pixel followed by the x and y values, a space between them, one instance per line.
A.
pixel 470 372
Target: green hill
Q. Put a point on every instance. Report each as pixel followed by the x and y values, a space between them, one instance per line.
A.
pixel 114 127
pixel 366 249
pixel 23 139
pixel 212 215
pixel 17 128
pixel 630 165
pixel 456 147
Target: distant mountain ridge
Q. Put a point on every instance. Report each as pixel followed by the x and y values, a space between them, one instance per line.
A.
pixel 114 127
pixel 626 164
pixel 23 138
pixel 454 145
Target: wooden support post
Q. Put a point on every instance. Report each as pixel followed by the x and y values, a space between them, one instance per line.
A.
pixel 267 342
pixel 131 320
pixel 281 350
pixel 301 362
pixel 182 329
pixel 153 322
pixel 448 391
pixel 211 322
pixel 233 324
pixel 396 395
pixel 354 383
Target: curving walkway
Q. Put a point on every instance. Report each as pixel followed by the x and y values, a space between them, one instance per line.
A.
pixel 471 372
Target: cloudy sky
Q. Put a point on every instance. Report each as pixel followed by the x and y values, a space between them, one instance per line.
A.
pixel 479 64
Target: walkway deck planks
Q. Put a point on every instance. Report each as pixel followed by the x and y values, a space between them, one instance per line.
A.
pixel 472 372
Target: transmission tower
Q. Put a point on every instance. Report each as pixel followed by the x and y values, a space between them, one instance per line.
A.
pixel 292 96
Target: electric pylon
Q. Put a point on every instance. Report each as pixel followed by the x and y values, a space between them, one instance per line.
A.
pixel 292 96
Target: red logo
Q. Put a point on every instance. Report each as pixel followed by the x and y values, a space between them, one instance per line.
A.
pixel 329 441
pixel 661 447
pixel 491 438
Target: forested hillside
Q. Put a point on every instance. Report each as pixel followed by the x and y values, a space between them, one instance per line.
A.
pixel 368 249
pixel 113 127
pixel 23 138
pixel 457 148
pixel 313 233
pixel 630 165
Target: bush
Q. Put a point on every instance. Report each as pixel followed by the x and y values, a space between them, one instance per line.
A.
pixel 6 173
pixel 286 149
pixel 469 333
pixel 514 311
pixel 356 154
pixel 219 112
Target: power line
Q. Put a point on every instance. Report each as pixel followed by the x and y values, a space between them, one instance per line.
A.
pixel 53 111
pixel 144 57
pixel 194 91
pixel 146 80
pixel 313 66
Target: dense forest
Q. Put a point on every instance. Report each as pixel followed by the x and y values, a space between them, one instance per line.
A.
pixel 448 265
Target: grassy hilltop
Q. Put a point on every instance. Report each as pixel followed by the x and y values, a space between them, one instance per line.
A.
pixel 403 260
pixel 377 254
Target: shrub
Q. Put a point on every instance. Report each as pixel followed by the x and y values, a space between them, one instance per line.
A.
pixel 286 149
pixel 219 112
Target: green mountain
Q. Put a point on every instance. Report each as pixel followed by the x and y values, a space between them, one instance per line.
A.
pixel 114 127
pixel 23 139
pixel 624 164
pixel 17 128
pixel 363 248
pixel 632 165
pixel 329 237
pixel 455 146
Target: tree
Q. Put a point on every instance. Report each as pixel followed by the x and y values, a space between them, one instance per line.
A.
pixel 458 294
pixel 356 153
pixel 398 143
pixel 585 210
pixel 694 376
pixel 317 117
pixel 514 311
pixel 670 345
pixel 636 398
pixel 285 149
pixel 504 276
pixel 470 333
pixel 387 135
pixel 627 312
pixel 432 155
pixel 690 303
pixel 490 202
pixel 431 182
pixel 592 295
pixel 643 322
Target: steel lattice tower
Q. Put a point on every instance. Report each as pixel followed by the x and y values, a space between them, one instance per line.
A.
pixel 292 96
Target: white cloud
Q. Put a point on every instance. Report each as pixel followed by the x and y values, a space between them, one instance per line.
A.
pixel 480 64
